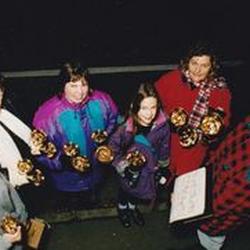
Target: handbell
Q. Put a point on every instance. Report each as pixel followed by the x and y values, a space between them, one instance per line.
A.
pixel 36 177
pixel 71 149
pixel 136 159
pixel 212 124
pixel 104 154
pixel 38 137
pixel 49 149
pixel 80 163
pixel 9 224
pixel 24 166
pixel 188 136
pixel 178 117
pixel 99 136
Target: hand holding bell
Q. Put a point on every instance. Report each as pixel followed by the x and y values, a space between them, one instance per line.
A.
pixel 99 136
pixel 9 224
pixel 136 159
pixel 178 117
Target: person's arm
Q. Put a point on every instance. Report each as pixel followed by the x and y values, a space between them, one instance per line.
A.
pixel 50 128
pixel 163 173
pixel 116 144
pixel 112 114
pixel 7 240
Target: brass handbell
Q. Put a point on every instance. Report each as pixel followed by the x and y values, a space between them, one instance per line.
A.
pixel 24 166
pixel 136 159
pixel 211 124
pixel 71 149
pixel 38 137
pixel 36 177
pixel 104 154
pixel 80 163
pixel 9 224
pixel 99 136
pixel 40 140
pixel 188 136
pixel 33 175
pixel 49 149
pixel 178 117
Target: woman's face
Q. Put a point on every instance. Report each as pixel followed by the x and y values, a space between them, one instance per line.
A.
pixel 199 67
pixel 1 97
pixel 147 111
pixel 76 92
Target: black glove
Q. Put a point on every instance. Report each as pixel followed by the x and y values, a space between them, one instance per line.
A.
pixel 162 175
pixel 131 177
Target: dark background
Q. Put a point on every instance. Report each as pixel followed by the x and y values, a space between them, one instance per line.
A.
pixel 118 32
pixel 42 35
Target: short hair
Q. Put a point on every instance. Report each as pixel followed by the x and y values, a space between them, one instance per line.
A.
pixel 72 71
pixel 202 49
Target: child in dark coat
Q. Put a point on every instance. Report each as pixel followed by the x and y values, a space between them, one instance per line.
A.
pixel 141 152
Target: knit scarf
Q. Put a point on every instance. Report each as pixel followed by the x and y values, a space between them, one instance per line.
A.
pixel 201 105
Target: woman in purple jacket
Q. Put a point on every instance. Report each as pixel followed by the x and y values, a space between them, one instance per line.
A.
pixel 72 121
pixel 141 149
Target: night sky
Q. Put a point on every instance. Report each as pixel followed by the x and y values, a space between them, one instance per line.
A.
pixel 118 32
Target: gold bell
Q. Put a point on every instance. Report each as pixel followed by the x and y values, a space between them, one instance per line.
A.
pixel 38 137
pixel 36 177
pixel 9 224
pixel 211 124
pixel 188 136
pixel 24 166
pixel 99 136
pixel 71 149
pixel 80 163
pixel 136 159
pixel 178 117
pixel 104 154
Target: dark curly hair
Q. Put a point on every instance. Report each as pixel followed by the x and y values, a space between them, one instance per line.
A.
pixel 202 49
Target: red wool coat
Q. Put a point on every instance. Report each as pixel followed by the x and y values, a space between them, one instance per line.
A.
pixel 175 92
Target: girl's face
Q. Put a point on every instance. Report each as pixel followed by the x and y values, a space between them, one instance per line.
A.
pixel 147 111
pixel 76 92
pixel 199 67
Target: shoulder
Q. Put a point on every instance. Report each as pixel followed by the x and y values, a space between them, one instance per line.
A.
pixel 100 95
pixel 48 108
pixel 168 78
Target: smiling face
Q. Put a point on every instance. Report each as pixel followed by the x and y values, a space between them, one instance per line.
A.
pixel 199 67
pixel 147 111
pixel 77 91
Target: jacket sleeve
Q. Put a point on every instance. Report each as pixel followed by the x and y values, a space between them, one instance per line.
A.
pixel 49 126
pixel 164 147
pixel 116 142
pixel 112 114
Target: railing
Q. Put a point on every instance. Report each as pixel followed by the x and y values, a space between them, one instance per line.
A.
pixel 107 70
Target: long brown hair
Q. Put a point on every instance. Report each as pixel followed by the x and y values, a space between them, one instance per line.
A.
pixel 145 90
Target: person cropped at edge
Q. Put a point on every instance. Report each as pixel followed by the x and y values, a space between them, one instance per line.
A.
pixel 15 146
pixel 145 133
pixel 11 205
pixel 73 116
pixel 197 90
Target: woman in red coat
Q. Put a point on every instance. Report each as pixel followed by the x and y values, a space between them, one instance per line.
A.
pixel 198 103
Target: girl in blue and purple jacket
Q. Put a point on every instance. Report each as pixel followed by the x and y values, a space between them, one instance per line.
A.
pixel 141 149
